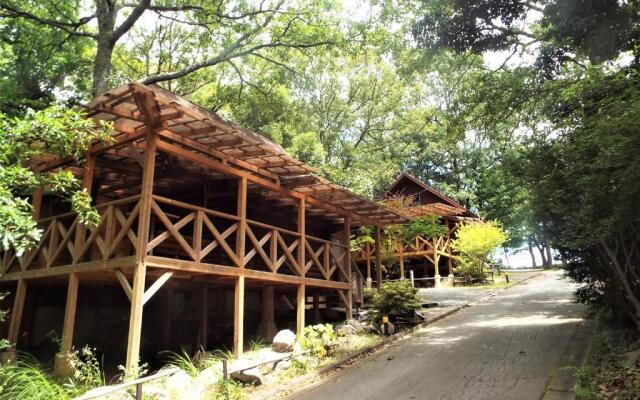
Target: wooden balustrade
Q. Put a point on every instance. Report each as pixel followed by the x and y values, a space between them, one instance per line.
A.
pixel 62 243
pixel 198 234
pixel 179 231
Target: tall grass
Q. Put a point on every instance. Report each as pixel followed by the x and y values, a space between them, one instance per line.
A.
pixel 25 378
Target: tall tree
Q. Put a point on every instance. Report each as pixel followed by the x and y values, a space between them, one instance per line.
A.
pixel 220 31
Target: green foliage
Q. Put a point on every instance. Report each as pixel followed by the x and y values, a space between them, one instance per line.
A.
pixel 26 379
pixel 362 238
pixel 87 369
pixel 229 390
pixel 55 131
pixel 475 242
pixel 426 226
pixel 606 374
pixel 396 298
pixel 318 339
pixel 256 344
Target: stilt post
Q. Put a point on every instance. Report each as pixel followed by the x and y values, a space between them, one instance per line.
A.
pixel 300 310
pixel 347 264
pixel 378 258
pixel 238 318
pixel 140 269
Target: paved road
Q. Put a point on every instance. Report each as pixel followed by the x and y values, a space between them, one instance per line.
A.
pixel 502 348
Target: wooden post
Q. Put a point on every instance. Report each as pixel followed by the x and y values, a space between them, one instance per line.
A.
pixel 267 328
pixel 436 262
pixel 347 261
pixel 69 314
pixel 140 269
pixel 242 223
pixel 204 316
pixel 300 310
pixel 63 366
pixel 87 185
pixel 378 258
pixel 238 318
pixel 401 261
pixel 368 254
pixel 302 232
pixel 16 313
pixel 36 203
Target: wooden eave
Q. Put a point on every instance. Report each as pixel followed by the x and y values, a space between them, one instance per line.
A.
pixel 198 145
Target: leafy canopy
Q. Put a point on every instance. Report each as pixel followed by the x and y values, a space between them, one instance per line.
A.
pixel 55 131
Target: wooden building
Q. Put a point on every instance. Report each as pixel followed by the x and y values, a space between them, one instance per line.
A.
pixel 413 198
pixel 202 221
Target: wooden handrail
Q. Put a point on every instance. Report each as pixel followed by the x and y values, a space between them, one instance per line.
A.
pixel 191 207
pixel 124 200
pixel 116 388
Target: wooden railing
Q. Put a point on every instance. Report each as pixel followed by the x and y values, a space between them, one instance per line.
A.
pixel 416 246
pixel 181 231
pixel 198 234
pixel 66 241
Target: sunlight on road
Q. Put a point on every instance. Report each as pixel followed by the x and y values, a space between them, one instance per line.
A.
pixel 531 320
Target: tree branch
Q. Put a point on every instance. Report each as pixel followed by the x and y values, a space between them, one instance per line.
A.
pixel 128 23
pixel 68 27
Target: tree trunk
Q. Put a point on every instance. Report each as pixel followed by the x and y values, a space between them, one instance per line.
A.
pixel 549 257
pixel 106 15
pixel 533 256
pixel 621 276
pixel 102 68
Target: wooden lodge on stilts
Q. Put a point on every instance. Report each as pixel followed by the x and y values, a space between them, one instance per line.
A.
pixel 210 235
pixel 425 257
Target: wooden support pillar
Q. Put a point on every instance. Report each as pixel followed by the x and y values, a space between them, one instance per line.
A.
pixel 63 367
pixel 401 246
pixel 436 264
pixel 368 254
pixel 87 185
pixel 242 223
pixel 347 264
pixel 378 258
pixel 70 314
pixel 36 203
pixel 302 232
pixel 317 316
pixel 267 328
pixel 300 310
pixel 16 313
pixel 238 318
pixel 204 316
pixel 140 269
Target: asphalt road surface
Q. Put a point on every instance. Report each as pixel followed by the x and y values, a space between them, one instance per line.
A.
pixel 501 348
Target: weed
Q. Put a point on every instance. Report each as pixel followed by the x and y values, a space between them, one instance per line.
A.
pixel 256 344
pixel 25 378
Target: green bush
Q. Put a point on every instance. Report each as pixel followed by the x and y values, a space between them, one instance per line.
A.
pixel 396 298
pixel 318 339
pixel 475 242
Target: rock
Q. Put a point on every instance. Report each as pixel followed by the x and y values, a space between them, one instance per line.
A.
pixel 282 365
pixel 152 392
pixel 242 370
pixel 178 384
pixel 210 376
pixel 297 348
pixel 392 328
pixel 119 395
pixel 351 327
pixel 283 341
pixel 346 330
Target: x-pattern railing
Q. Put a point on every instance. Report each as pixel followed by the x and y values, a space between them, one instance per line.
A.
pixel 66 241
